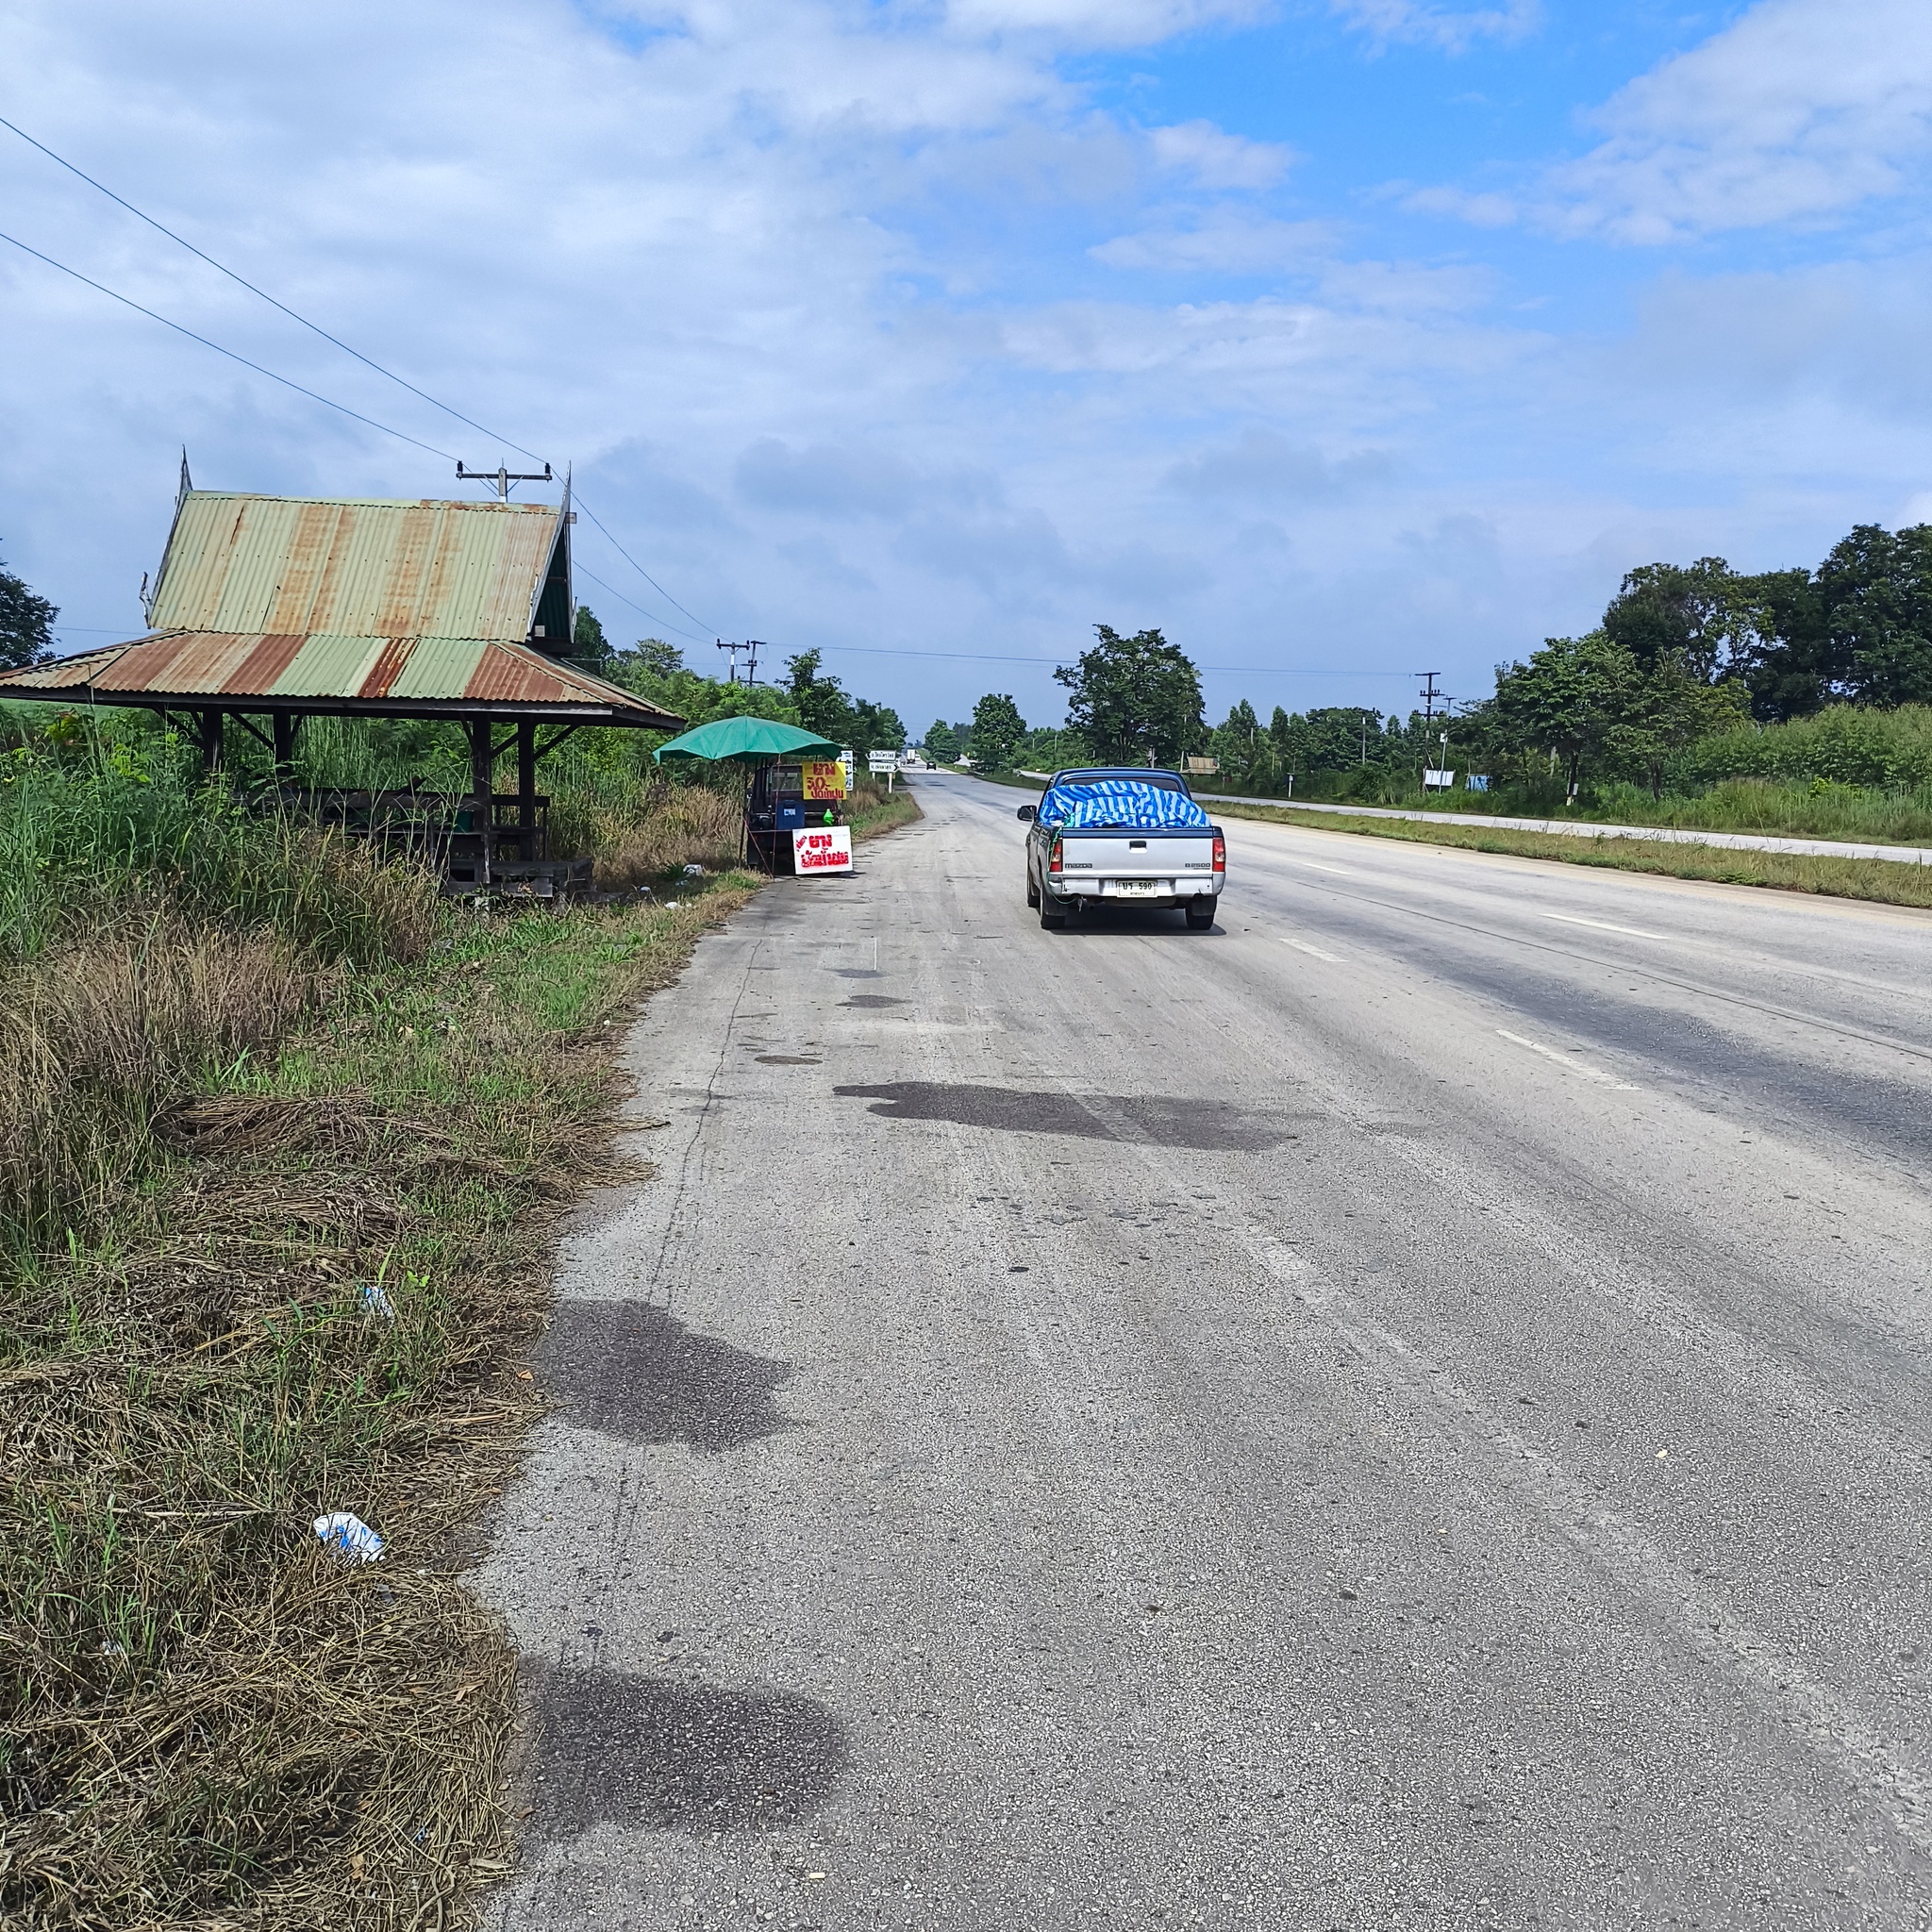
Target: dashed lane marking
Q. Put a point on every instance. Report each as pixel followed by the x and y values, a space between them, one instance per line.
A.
pixel 1313 952
pixel 1603 925
pixel 1563 1060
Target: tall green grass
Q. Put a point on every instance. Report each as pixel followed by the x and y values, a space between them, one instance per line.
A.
pixel 87 825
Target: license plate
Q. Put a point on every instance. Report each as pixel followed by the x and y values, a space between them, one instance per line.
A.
pixel 1138 888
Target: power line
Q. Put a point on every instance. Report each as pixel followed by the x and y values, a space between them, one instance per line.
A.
pixel 652 615
pixel 633 562
pixel 316 329
pixel 990 657
pixel 220 268
pixel 128 302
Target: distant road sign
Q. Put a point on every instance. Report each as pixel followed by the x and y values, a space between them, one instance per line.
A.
pixel 882 760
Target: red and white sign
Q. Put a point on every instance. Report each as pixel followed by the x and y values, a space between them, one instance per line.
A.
pixel 822 848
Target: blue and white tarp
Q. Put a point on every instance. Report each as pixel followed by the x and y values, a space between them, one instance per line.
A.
pixel 1120 802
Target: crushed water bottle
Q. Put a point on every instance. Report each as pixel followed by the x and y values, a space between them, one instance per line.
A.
pixel 349 1537
pixel 375 1301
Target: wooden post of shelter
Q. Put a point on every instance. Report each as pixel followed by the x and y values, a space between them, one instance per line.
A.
pixel 284 726
pixel 210 741
pixel 526 788
pixel 482 780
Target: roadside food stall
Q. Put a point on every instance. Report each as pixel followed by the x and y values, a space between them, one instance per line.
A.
pixel 794 797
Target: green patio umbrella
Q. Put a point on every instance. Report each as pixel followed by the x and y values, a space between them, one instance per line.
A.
pixel 746 741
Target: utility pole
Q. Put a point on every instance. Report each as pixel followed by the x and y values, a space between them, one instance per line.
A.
pixel 499 479
pixel 1429 696
pixel 753 645
pixel 734 647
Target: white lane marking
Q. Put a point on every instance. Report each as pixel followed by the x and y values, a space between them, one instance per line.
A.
pixel 1341 872
pixel 1313 952
pixel 1603 925
pixel 1563 1060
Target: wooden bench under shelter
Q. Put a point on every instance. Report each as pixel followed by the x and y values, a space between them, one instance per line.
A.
pixel 268 611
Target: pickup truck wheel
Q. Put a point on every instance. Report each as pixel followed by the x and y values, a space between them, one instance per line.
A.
pixel 1052 915
pixel 1032 890
pixel 1200 915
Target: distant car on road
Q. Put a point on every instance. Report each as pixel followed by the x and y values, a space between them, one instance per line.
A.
pixel 1117 835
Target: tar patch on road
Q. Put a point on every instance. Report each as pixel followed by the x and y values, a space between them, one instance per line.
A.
pixel 870 1001
pixel 637 1372
pixel 648 1751
pixel 1208 1125
pixel 787 1060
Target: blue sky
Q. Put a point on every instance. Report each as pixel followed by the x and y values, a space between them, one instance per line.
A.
pixel 1341 340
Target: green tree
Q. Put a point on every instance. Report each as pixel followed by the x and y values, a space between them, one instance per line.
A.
pixel 1876 589
pixel 875 728
pixel 1665 709
pixel 1565 701
pixel 26 624
pixel 819 698
pixel 998 731
pixel 587 639
pixel 1135 700
pixel 1786 660
pixel 659 659
pixel 941 744
pixel 1701 611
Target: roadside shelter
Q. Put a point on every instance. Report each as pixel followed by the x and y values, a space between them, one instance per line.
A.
pixel 268 611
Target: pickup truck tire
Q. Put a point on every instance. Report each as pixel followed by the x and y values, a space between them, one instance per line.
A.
pixel 1200 915
pixel 1052 915
pixel 1032 890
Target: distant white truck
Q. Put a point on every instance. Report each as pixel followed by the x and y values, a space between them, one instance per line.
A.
pixel 1111 835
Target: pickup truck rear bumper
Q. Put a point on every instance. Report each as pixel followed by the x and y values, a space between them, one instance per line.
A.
pixel 1086 889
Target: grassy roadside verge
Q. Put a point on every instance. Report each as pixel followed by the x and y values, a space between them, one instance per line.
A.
pixel 1890 882
pixel 872 813
pixel 205 1721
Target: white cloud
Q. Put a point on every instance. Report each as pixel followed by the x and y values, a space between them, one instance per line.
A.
pixel 1798 111
pixel 1225 241
pixel 1451 29
pixel 1216 159
pixel 1100 23
pixel 1488 210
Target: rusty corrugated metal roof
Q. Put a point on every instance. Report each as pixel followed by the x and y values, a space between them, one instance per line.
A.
pixel 354 567
pixel 334 671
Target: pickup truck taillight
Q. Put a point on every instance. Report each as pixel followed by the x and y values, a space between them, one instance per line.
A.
pixel 1220 853
pixel 1052 857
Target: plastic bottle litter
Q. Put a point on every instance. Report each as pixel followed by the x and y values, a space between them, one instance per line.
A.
pixel 349 1537
pixel 375 1301
pixel 694 872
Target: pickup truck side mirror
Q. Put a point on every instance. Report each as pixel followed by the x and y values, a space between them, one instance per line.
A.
pixel 1028 813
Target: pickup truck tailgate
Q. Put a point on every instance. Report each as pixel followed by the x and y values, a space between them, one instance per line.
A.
pixel 1127 864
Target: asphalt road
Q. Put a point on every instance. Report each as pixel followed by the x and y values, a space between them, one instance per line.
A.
pixel 1408 1410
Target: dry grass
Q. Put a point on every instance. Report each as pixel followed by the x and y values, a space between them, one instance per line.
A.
pixel 1891 882
pixel 205 1723
pixel 97 1034
pixel 677 826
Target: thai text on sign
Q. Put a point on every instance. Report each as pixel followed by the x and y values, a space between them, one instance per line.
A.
pixel 822 848
pixel 824 779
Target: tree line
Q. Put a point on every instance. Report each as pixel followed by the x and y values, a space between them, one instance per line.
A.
pixel 1686 655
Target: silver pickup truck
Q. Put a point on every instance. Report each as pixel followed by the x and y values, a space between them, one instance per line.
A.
pixel 1106 835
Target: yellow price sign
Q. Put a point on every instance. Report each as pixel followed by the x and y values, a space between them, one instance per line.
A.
pixel 824 779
